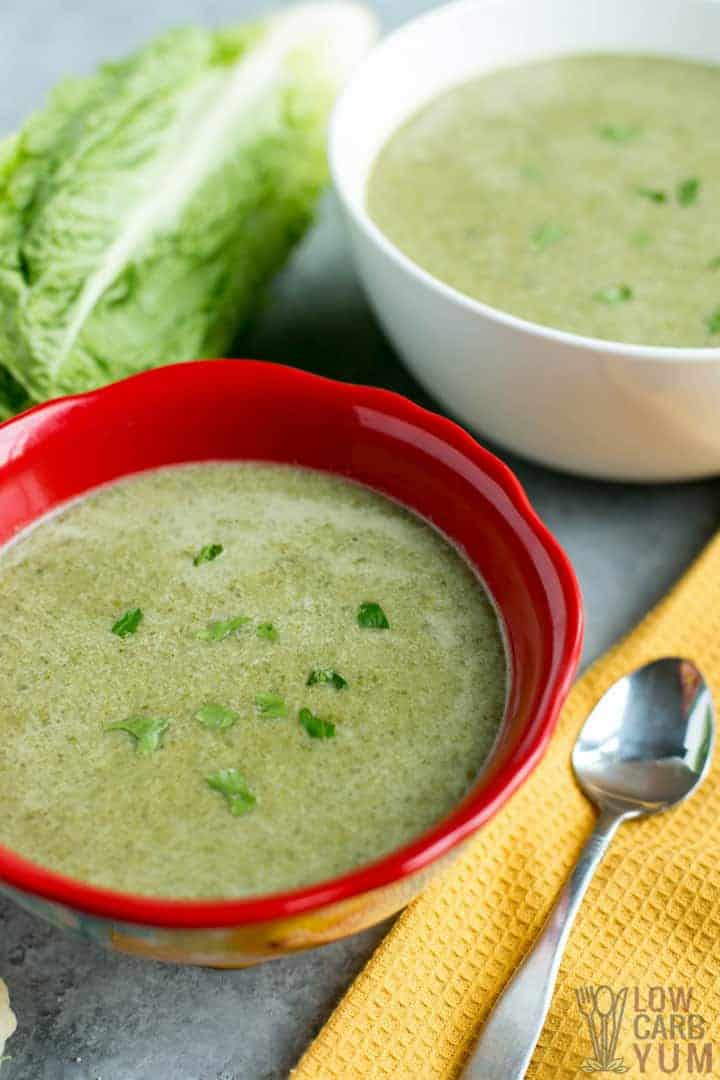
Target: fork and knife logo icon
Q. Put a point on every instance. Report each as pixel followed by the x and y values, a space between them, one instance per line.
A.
pixel 603 1010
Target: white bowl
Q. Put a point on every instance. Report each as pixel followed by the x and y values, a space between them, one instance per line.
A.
pixel 625 412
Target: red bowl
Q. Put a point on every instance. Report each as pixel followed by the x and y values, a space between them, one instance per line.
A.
pixel 228 409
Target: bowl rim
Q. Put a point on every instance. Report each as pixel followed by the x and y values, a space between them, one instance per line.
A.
pixel 400 863
pixel 357 210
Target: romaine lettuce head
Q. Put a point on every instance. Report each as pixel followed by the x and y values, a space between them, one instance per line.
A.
pixel 145 209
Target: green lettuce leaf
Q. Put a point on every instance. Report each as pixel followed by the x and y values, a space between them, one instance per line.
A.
pixel 13 398
pixel 145 209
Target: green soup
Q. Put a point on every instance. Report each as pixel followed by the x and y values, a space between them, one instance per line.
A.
pixel 224 679
pixel 581 193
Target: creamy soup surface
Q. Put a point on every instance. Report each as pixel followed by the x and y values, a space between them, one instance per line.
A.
pixel 180 720
pixel 581 193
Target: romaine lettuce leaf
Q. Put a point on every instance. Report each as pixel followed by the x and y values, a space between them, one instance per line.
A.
pixel 144 210
pixel 13 398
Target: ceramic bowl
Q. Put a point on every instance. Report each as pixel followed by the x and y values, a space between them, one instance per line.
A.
pixel 244 410
pixel 623 412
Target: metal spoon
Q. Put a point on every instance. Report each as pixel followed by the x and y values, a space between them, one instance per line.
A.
pixel 645 747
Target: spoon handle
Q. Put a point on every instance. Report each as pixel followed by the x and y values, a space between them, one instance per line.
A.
pixel 507 1041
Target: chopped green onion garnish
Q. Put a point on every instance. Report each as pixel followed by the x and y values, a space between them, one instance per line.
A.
pixel 267 630
pixel 232 784
pixel 372 616
pixel 222 628
pixel 146 730
pixel 270 706
pixel 128 623
pixel 316 726
pixel 327 677
pixel 216 716
pixel 613 294
pixel 207 553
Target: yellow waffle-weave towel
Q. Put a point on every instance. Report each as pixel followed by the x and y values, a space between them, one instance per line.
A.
pixel 650 921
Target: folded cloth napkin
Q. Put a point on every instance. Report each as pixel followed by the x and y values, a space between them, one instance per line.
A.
pixel 650 921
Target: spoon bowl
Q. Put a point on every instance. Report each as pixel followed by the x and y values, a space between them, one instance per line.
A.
pixel 647 743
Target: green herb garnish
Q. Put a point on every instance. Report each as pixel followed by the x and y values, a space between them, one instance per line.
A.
pixel 232 784
pixel 641 238
pixel 372 616
pixel 267 630
pixel 613 294
pixel 128 623
pixel 546 235
pixel 619 133
pixel 713 323
pixel 317 727
pixel 655 195
pixel 146 730
pixel 532 172
pixel 714 264
pixel 207 553
pixel 688 191
pixel 216 716
pixel 270 706
pixel 222 628
pixel 326 677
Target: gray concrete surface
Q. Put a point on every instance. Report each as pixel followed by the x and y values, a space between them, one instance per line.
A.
pixel 87 1015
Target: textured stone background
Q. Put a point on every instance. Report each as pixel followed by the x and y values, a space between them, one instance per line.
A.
pixel 86 1015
